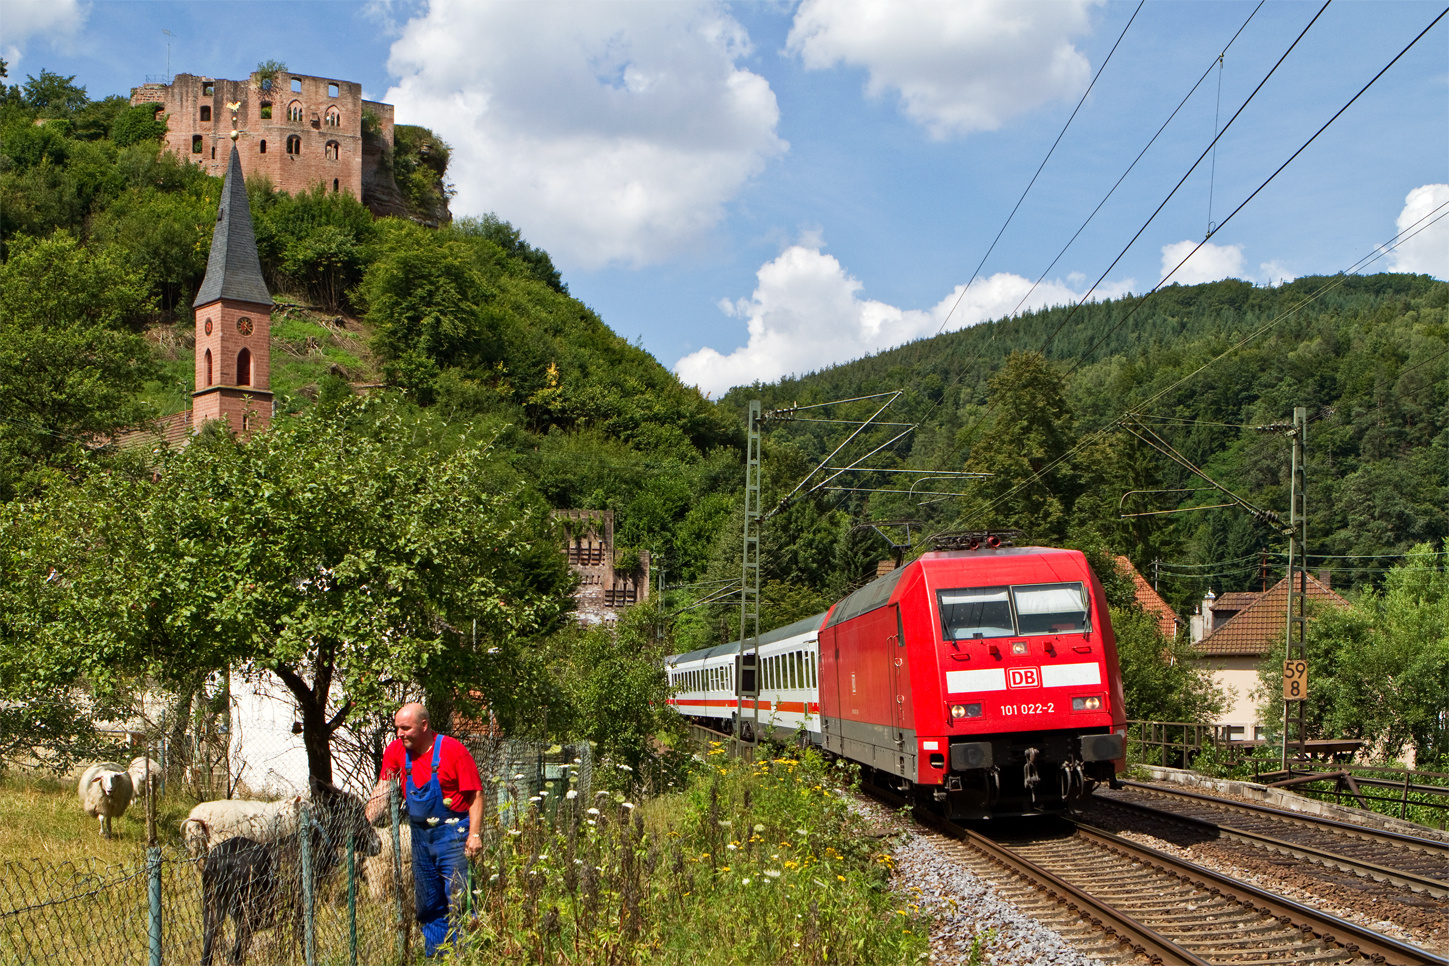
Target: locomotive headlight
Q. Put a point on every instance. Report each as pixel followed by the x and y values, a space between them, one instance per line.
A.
pixel 965 710
pixel 1094 703
pixel 1019 647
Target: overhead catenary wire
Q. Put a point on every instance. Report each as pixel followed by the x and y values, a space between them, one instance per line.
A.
pixel 1076 306
pixel 1027 190
pixel 1337 280
pixel 1267 181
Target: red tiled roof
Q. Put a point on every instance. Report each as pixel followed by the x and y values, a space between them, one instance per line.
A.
pixel 172 431
pixel 1148 599
pixel 1261 626
pixel 1236 600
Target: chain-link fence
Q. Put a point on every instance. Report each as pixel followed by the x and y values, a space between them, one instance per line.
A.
pixel 309 882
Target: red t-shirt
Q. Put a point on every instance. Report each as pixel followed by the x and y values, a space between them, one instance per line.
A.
pixel 457 772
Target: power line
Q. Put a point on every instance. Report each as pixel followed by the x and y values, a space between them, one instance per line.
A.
pixel 1071 313
pixel 1260 187
pixel 1040 168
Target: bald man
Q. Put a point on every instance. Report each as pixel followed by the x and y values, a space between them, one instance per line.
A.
pixel 444 801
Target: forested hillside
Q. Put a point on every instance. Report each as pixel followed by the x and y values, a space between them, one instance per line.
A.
pixel 1038 401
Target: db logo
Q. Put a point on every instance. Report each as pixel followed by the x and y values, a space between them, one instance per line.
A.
pixel 1023 677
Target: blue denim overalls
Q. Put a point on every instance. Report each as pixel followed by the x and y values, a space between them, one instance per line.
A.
pixel 440 866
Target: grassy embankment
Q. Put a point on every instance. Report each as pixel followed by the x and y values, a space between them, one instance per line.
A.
pixel 751 863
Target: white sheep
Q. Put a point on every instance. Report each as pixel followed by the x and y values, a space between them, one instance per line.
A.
pixel 105 791
pixel 211 823
pixel 377 869
pixel 138 772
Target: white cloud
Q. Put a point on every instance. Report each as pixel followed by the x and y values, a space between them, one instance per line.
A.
pixel 806 312
pixel 957 65
pixel 1210 262
pixel 27 19
pixel 1427 252
pixel 607 133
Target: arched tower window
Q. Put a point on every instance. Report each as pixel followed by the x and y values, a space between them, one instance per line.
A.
pixel 208 367
pixel 294 111
pixel 332 149
pixel 244 368
pixel 206 112
pixel 294 145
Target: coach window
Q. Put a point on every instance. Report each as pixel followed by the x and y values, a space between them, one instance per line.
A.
pixel 814 672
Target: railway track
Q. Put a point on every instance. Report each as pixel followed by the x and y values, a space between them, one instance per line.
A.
pixel 1407 861
pixel 1157 908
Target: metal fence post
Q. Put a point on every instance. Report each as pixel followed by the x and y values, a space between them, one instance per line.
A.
pixel 309 925
pixel 351 901
pixel 397 879
pixel 153 877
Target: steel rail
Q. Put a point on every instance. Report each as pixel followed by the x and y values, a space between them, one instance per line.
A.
pixel 1407 880
pixel 1327 927
pixel 1306 818
pixel 1139 937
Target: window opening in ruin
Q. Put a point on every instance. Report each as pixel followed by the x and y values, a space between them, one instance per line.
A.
pixel 294 111
pixel 332 148
pixel 262 148
pixel 334 117
pixel 294 145
pixel 332 89
pixel 335 187
pixel 266 110
pixel 196 144
pixel 208 367
pixel 296 84
pixel 244 368
pixel 213 152
pixel 205 112
pixel 207 88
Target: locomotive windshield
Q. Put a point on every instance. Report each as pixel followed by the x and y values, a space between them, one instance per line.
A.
pixel 1023 610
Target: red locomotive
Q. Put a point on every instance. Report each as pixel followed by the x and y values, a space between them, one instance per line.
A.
pixel 985 679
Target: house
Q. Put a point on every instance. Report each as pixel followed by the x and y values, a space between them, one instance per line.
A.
pixel 1235 632
pixel 1168 623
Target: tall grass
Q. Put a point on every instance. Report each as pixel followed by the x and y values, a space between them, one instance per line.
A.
pixel 753 863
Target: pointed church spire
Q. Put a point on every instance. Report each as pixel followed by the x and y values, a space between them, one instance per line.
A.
pixel 233 271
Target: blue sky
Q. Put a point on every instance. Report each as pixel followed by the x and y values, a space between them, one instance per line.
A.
pixel 758 189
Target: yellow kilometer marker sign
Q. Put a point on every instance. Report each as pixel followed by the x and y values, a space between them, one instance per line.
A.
pixel 1295 680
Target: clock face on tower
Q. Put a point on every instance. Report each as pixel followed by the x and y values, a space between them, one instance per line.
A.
pixel 244 325
pixel 208 327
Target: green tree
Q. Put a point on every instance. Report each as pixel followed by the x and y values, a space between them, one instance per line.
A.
pixel 1380 669
pixel 53 95
pixel 70 369
pixel 340 551
pixel 138 124
pixel 1031 431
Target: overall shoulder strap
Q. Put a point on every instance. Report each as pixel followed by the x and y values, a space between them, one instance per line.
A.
pixel 437 750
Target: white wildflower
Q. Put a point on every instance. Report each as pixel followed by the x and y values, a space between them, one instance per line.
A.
pixel 571 794
pixel 592 811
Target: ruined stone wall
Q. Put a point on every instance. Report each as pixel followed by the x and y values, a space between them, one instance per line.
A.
pixel 300 131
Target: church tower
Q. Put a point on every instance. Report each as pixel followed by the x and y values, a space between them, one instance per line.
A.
pixel 233 320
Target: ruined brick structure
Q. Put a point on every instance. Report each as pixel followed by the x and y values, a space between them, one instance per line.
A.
pixel 603 590
pixel 296 129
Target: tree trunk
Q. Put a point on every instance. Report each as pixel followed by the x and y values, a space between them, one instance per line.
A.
pixel 316 735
